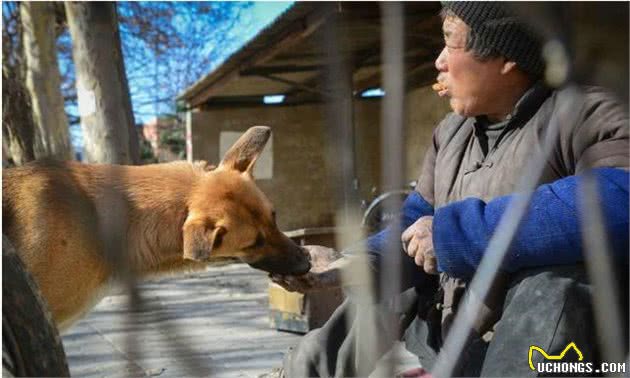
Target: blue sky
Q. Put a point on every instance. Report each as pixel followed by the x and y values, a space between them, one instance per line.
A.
pixel 252 20
pixel 260 15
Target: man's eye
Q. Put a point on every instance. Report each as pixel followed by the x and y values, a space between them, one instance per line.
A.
pixel 452 48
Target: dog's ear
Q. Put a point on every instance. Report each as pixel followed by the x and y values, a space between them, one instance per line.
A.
pixel 199 241
pixel 243 154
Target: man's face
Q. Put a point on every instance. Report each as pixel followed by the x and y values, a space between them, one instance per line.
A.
pixel 471 85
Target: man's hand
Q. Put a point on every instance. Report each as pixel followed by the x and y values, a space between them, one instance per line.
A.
pixel 417 241
pixel 324 273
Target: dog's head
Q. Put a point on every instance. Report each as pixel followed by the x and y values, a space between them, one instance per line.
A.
pixel 229 216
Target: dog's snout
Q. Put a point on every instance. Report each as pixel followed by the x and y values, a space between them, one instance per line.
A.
pixel 305 252
pixel 296 262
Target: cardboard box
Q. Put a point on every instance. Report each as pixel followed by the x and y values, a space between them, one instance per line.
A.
pixel 301 313
pixel 296 312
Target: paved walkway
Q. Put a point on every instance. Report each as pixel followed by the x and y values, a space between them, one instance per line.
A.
pixel 208 323
pixel 212 323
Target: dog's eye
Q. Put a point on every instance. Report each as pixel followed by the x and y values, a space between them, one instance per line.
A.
pixel 259 243
pixel 273 216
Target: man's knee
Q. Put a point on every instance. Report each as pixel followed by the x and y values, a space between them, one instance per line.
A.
pixel 316 353
pixel 303 360
pixel 547 307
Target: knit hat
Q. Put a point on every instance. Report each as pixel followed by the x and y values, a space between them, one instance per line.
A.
pixel 496 28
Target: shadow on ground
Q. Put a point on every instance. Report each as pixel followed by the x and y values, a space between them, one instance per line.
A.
pixel 207 323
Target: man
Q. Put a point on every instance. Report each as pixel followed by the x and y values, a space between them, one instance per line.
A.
pixel 490 70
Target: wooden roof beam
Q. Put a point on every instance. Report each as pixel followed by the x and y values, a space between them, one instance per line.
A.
pixel 297 85
pixel 292 34
pixel 219 102
pixel 375 80
pixel 284 69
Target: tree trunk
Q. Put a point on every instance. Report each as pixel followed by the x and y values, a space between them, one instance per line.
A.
pixel 43 81
pixel 103 94
pixel 17 122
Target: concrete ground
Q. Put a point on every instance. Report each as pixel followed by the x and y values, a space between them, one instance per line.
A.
pixel 212 323
pixel 207 323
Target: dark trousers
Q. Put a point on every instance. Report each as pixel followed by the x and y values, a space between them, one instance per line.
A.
pixel 548 307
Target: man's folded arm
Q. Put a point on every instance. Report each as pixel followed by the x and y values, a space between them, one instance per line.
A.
pixel 549 234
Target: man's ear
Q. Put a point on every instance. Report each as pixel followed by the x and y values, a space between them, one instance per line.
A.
pixel 243 154
pixel 199 241
pixel 508 66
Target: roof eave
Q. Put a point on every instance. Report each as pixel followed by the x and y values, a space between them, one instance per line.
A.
pixel 254 50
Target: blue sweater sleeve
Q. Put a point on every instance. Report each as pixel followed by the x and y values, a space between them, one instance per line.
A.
pixel 549 234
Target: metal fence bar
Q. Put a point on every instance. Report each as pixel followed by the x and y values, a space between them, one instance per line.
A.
pixel 392 157
pixel 113 230
pixel 597 255
pixel 348 219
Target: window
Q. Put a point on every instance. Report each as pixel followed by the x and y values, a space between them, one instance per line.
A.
pixel 273 99
pixel 373 92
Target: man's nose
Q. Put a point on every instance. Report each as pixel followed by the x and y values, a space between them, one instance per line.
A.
pixel 440 62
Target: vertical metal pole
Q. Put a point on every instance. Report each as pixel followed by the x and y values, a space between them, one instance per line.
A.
pixel 599 266
pixel 339 131
pixel 347 136
pixel 392 154
pixel 340 159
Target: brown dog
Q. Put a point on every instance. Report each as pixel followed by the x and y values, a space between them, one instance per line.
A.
pixel 76 226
